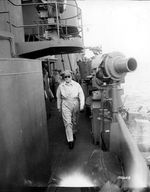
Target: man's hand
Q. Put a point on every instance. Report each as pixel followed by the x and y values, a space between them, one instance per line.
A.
pixel 59 110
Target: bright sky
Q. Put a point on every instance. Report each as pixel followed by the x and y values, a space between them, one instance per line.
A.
pixel 117 25
pixel 121 26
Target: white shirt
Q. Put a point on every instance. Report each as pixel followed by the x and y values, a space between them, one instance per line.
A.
pixel 69 91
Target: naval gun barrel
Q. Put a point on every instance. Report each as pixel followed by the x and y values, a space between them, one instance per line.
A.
pixel 115 65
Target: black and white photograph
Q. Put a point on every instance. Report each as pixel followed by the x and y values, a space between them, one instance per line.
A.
pixel 74 95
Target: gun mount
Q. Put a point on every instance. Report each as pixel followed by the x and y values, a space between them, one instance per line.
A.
pixel 114 66
pixel 110 128
pixel 107 98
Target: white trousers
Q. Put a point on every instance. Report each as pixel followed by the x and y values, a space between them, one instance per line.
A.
pixel 70 115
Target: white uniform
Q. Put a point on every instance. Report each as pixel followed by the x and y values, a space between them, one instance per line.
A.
pixel 70 99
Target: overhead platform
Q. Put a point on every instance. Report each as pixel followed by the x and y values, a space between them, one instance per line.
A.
pixel 36 49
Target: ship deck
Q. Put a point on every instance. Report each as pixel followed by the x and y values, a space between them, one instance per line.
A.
pixel 85 166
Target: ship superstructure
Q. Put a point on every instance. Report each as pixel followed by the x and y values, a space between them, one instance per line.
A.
pixel 31 32
pixel 33 153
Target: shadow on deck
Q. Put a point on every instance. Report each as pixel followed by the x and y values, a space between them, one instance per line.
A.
pixel 84 167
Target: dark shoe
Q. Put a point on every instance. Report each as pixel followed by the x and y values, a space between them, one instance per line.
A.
pixel 74 137
pixel 71 145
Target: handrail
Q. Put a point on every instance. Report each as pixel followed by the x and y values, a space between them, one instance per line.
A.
pixel 48 3
pixel 35 25
pixel 52 2
pixel 57 16
pixel 58 20
pixel 136 167
pixel 70 17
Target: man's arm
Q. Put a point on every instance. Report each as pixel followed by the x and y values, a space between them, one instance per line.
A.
pixel 58 95
pixel 81 98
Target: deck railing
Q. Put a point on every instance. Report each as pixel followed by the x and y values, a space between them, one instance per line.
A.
pixel 60 25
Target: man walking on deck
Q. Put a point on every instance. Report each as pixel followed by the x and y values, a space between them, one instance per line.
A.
pixel 70 101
